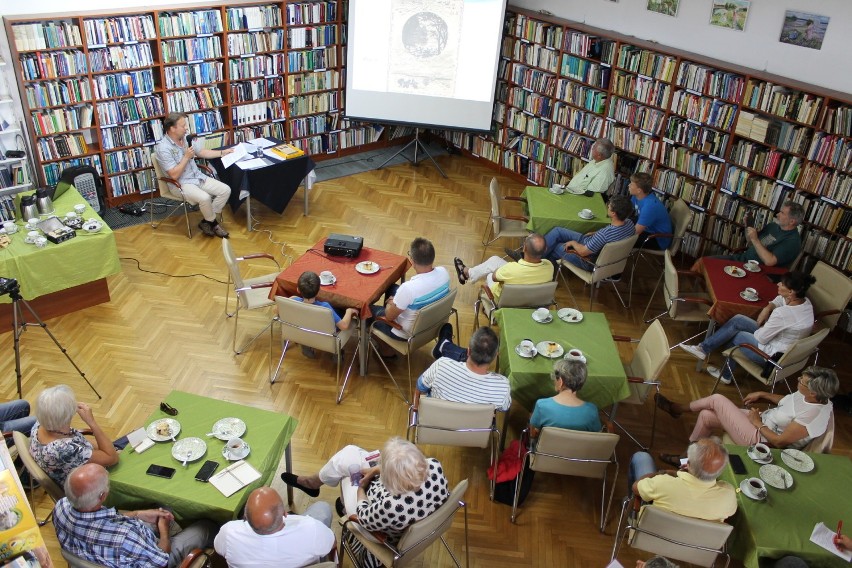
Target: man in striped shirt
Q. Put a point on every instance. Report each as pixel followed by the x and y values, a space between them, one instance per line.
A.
pixel 581 250
pixel 469 381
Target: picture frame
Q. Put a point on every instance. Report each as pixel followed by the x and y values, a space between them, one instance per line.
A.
pixel 804 29
pixel 665 7
pixel 730 14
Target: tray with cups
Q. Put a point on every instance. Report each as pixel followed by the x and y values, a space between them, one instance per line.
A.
pixel 734 271
pixel 586 214
pixel 753 488
pixel 570 315
pixel 327 278
pixel 749 295
pixel 542 315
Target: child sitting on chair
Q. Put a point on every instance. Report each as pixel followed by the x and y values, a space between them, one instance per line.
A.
pixel 308 287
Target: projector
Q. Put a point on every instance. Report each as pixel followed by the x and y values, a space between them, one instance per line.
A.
pixel 343 245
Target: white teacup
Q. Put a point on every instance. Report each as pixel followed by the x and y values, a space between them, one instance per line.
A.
pixel 542 313
pixel 326 277
pixel 526 347
pixel 750 292
pixel 587 213
pixel 79 208
pixel 751 265
pixel 757 487
pixel 71 215
pixel 575 355
pixel 31 237
pixel 10 227
pixel 32 223
pixel 762 451
pixel 41 242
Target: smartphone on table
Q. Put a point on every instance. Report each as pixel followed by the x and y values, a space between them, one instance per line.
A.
pixel 206 471
pixel 160 471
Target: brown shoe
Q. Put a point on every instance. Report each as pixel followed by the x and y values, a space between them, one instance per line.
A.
pixel 666 405
pixel 671 459
pixel 207 228
pixel 220 231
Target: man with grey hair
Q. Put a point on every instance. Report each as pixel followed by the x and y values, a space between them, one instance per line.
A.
pixel 106 537
pixel 779 242
pixel 268 536
pixel 693 493
pixel 599 173
pixel 468 380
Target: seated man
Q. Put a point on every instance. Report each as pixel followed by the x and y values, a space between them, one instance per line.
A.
pixel 599 173
pixel 471 380
pixel 779 242
pixel 693 493
pixel 561 243
pixel 308 286
pixel 268 536
pixel 530 269
pixel 106 537
pixel 404 301
pixel 653 215
pixel 177 159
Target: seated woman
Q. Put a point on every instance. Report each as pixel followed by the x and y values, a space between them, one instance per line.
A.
pixel 799 417
pixel 566 409
pixel 404 488
pixel 57 447
pixel 787 318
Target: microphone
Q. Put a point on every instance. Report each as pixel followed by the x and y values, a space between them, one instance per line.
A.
pixel 189 139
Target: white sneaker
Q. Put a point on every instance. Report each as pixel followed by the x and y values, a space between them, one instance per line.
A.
pixel 716 373
pixel 693 350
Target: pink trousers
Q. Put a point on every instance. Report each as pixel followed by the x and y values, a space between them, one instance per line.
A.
pixel 716 411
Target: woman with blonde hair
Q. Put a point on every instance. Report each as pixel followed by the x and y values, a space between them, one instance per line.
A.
pixel 56 446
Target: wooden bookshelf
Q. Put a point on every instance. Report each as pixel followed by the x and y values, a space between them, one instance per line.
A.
pixel 725 138
pixel 96 86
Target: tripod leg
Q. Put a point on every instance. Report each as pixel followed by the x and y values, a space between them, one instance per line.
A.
pixel 400 151
pixel 18 327
pixel 43 325
pixel 428 155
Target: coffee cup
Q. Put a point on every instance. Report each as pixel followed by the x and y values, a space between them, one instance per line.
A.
pixel 751 265
pixel 32 223
pixel 761 450
pixel 71 215
pixel 41 242
pixel 10 227
pixel 326 277
pixel 31 237
pixel 542 313
pixel 526 347
pixel 750 292
pixel 587 213
pixel 235 445
pixel 79 208
pixel 575 355
pixel 757 487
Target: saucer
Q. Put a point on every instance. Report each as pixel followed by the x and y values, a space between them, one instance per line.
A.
pixel 235 455
pixel 797 461
pixel 532 352
pixel 228 428
pixel 748 298
pixel 189 449
pixel 547 319
pixel 570 315
pixel 755 269
pixel 747 490
pixel 734 271
pixel 550 349
pixel 367 267
pixel 587 217
pixel 330 282
pixel 556 189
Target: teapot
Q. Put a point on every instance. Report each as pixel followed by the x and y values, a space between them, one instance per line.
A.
pixel 44 202
pixel 29 209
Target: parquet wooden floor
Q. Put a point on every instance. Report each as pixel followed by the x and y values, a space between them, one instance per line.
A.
pixel 161 333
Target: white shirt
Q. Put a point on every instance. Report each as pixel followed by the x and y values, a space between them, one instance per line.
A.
pixel 595 176
pixel 452 380
pixel 421 290
pixel 812 415
pixel 302 541
pixel 786 325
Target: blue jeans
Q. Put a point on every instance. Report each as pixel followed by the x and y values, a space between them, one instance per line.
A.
pixel 14 415
pixel 379 311
pixel 738 329
pixel 556 239
pixel 641 464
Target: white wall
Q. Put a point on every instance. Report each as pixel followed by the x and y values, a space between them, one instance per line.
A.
pixel 756 47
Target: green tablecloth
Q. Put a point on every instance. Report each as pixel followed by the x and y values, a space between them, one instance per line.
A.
pixel 267 433
pixel 85 258
pixel 530 378
pixel 783 524
pixel 546 211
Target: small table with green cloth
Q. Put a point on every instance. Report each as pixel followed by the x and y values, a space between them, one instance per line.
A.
pixel 546 210
pixel 606 383
pixel 267 433
pixel 782 524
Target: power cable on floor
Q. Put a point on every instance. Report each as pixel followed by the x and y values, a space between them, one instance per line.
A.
pixel 139 267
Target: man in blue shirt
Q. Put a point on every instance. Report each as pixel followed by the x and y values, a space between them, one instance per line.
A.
pixel 309 286
pixel 653 216
pixel 562 244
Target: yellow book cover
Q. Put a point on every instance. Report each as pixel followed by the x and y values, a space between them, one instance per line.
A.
pixel 287 151
pixel 18 529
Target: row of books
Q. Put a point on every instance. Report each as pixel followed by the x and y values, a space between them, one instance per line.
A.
pixel 711 82
pixel 709 111
pixel 253 17
pixel 532 148
pixel 636 115
pixel 204 73
pixel 144 181
pixel 647 91
pixel 245 43
pixel 123 84
pixel 486 149
pixel 12 175
pixel 249 114
pixel 315 36
pixel 633 141
pixel 826 182
pixel 646 62
pixel 756 157
pixel 204 121
pixel 194 99
pixel 357 136
pixel 838 120
pixel 190 23
pixel 833 249
pixel 30 37
pixel 310 125
pixel 244 91
pixel 571 141
pixel 63 119
pixel 581 96
pixel 311 13
pixel 129 110
pixel 689 162
pixel 538 32
pixel 534 103
pixel 270 129
pixel 825 215
pixel 712 142
pixel 53 64
pixel 534 79
pixel 146 132
pixel 64 146
pixel 562 163
pixel 256 66
pixel 537 56
pixel 119 29
pixel 831 150
pixel 58 92
pixel 191 49
pixel 54 170
pixel 120 57
pixel 586 71
pixel 590 46
pixel 690 190
pixel 130 159
pixel 312 104
pixel 760 190
pixel 586 123
pixel 319 81
pixel 523 122
pixel 729 235
pixel 311 60
pixel 781 101
pixel 7 206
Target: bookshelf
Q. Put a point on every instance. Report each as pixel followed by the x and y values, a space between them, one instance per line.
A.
pixel 95 87
pixel 724 138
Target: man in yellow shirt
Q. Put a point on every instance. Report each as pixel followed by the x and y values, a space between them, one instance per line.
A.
pixel 530 269
pixel 692 493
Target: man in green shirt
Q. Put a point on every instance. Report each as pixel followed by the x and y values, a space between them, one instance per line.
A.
pixel 778 243
pixel 599 173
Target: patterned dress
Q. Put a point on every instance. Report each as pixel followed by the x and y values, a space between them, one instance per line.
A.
pixel 59 457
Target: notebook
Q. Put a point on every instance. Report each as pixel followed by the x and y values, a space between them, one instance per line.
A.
pixel 234 477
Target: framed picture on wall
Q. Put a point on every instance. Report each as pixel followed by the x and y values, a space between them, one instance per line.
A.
pixel 667 7
pixel 730 14
pixel 803 29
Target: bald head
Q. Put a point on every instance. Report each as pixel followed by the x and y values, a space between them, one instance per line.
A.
pixel 707 458
pixel 265 511
pixel 534 247
pixel 87 486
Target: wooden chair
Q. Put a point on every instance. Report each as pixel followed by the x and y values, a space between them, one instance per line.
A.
pixel 513 296
pixel 611 261
pixel 499 225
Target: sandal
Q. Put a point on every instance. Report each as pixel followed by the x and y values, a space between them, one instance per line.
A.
pixel 671 459
pixel 460 270
pixel 666 405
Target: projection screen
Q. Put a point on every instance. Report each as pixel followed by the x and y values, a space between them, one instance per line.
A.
pixel 423 62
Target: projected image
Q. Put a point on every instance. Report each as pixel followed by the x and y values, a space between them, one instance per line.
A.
pixel 424 47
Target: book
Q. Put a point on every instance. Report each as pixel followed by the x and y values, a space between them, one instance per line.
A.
pixel 285 151
pixel 18 529
pixel 234 477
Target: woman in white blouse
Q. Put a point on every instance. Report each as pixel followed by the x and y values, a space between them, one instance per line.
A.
pixel 788 317
pixel 797 419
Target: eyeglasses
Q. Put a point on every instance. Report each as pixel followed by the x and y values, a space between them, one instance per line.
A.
pixel 168 409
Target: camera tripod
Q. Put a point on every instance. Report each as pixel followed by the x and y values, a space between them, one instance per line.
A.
pixel 19 325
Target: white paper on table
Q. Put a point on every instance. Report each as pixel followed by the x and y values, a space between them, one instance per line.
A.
pixel 238 153
pixel 252 164
pixel 234 477
pixel 263 142
pixel 824 537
